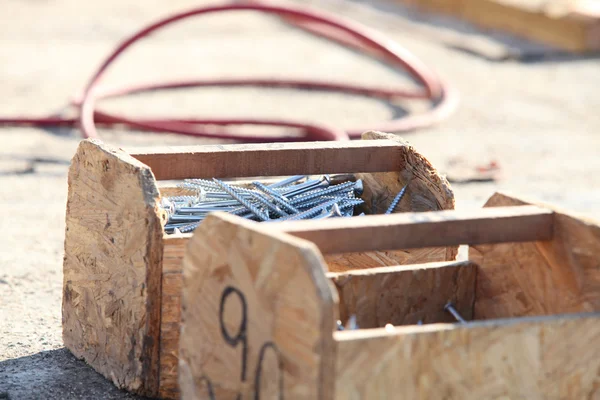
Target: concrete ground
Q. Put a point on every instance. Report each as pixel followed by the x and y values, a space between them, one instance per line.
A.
pixel 538 119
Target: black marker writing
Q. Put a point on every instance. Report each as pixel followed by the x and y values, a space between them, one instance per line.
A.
pixel 242 334
pixel 258 375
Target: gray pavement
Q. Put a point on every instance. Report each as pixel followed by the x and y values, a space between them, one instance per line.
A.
pixel 539 120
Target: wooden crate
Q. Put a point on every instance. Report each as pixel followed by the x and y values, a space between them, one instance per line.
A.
pixel 259 308
pixel 122 275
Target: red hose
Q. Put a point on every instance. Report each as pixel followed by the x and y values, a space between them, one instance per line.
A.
pixel 331 27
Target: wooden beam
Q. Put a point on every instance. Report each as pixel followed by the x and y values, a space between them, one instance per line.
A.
pixel 246 160
pixel 419 230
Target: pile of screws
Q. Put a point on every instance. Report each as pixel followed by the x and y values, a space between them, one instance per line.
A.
pixel 285 200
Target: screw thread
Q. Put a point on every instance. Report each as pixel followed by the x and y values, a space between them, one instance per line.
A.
pixel 310 213
pixel 242 201
pixel 277 198
pixel 396 200
pixel 189 227
pixel 265 202
pixel 322 192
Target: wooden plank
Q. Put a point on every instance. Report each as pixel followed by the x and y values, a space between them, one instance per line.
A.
pixel 244 160
pixel 112 279
pixel 430 229
pixel 405 295
pixel 535 358
pixel 568 25
pixel 257 315
pixel 543 277
pixel 170 309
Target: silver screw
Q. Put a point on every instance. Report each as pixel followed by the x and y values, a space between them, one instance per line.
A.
pixel 277 198
pixel 287 181
pixel 352 323
pixel 186 217
pixel 202 209
pixel 324 192
pixel 308 186
pixel 265 202
pixel 188 227
pixel 309 213
pixel 396 200
pixel 450 308
pixel 334 212
pixel 242 201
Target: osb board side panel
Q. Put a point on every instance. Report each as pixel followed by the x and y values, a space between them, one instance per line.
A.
pixel 427 191
pixel 539 359
pixel 269 290
pixel 406 295
pixel 172 279
pixel 113 251
pixel 539 278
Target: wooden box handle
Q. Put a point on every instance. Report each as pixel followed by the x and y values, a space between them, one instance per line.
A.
pixel 426 229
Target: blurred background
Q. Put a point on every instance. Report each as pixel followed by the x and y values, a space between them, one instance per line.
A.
pixel 527 120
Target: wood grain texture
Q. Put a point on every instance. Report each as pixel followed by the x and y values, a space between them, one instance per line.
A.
pixel 272 284
pixel 170 310
pixel 555 276
pixel 111 297
pixel 267 159
pixel 350 261
pixel 568 25
pixel 404 295
pixel 535 359
pixel 427 191
pixel 416 230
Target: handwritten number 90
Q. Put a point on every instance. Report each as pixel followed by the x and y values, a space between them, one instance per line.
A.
pixel 242 337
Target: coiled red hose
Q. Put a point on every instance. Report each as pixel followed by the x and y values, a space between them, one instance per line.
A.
pixel 323 24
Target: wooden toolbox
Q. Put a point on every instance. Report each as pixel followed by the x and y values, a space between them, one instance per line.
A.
pixel 260 308
pixel 122 274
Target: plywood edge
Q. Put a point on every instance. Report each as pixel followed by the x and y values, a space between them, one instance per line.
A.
pixel 392 269
pixel 283 298
pixel 170 309
pixel 113 252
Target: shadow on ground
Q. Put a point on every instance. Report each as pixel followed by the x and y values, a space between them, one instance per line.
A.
pixel 55 374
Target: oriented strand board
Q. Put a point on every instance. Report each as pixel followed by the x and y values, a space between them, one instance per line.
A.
pixel 112 278
pixel 541 277
pixel 405 295
pixel 569 25
pixel 257 314
pixel 535 359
